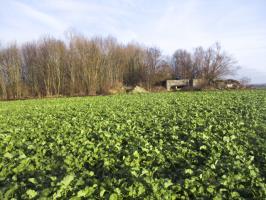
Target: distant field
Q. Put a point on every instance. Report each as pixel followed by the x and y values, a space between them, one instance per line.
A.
pixel 201 145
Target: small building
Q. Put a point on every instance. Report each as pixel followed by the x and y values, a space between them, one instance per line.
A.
pixel 227 84
pixel 175 84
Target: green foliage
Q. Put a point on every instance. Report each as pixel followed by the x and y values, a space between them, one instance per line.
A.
pixel 31 193
pixel 207 145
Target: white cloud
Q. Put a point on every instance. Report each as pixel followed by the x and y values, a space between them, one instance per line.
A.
pixel 39 16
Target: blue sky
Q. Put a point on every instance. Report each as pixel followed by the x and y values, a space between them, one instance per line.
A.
pixel 239 25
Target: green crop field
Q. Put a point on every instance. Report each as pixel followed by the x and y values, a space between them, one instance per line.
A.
pixel 191 145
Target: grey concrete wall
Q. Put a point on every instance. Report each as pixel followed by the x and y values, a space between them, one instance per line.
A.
pixel 178 83
pixel 183 82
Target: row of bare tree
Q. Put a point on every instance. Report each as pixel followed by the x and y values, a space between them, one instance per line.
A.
pixel 209 64
pixel 90 66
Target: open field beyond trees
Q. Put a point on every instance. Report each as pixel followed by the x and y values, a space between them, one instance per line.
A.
pixel 200 145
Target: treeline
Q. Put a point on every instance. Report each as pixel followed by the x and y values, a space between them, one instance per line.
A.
pixel 89 66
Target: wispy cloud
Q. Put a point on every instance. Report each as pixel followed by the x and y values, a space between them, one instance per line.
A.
pixel 41 17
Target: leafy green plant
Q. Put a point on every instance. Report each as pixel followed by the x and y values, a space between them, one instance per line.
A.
pixel 207 145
